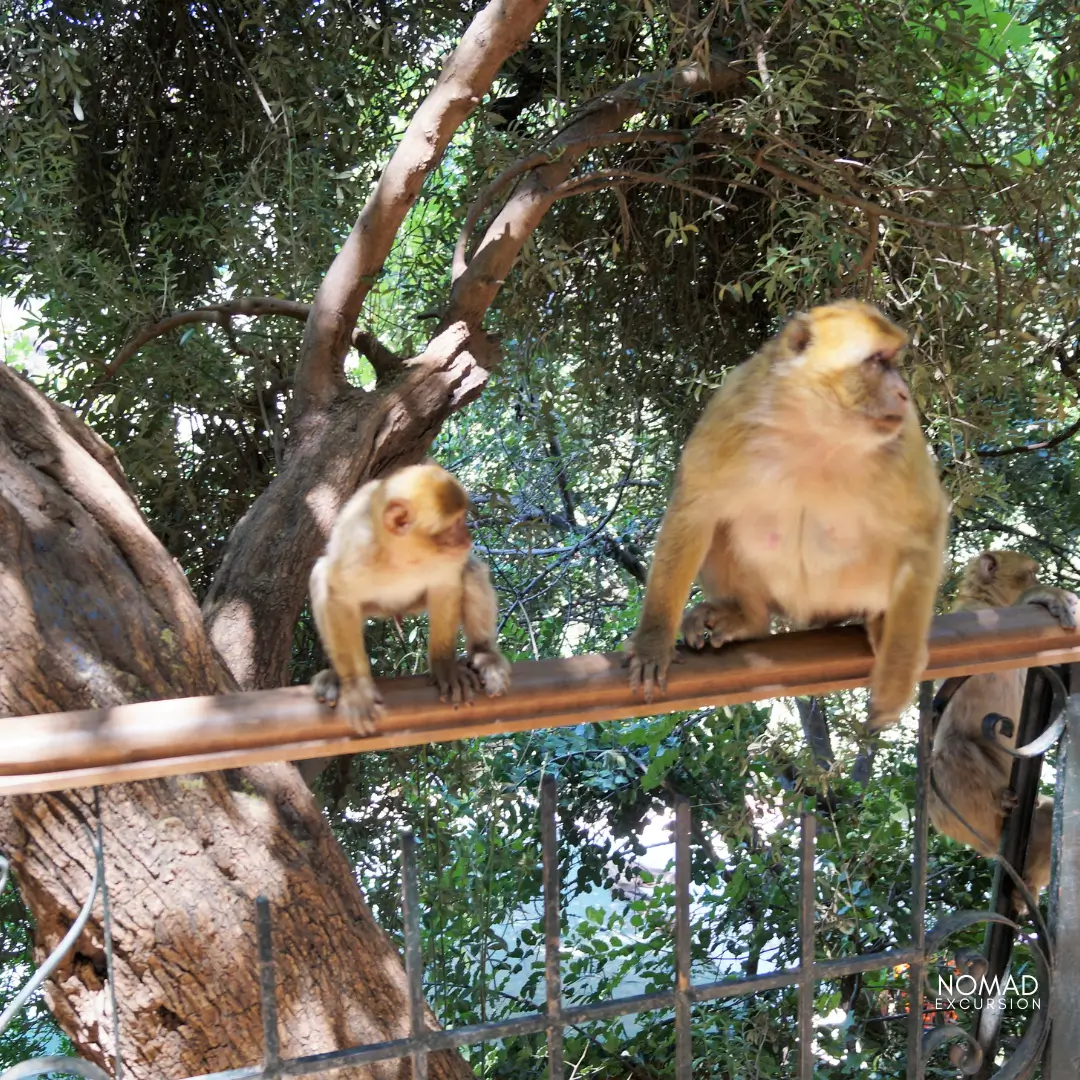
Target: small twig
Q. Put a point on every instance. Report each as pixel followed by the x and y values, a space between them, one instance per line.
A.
pixel 604 178
pixel 758 43
pixel 867 260
pixel 776 22
pixel 865 204
pixel 235 50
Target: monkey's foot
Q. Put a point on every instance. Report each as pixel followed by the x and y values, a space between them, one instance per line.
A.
pixel 494 670
pixel 359 704
pixel 457 682
pixel 326 687
pixel 1008 800
pixel 718 623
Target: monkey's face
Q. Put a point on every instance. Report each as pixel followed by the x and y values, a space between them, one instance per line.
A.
pixel 425 515
pixel 847 355
pixel 455 539
pixel 1008 573
pixel 876 390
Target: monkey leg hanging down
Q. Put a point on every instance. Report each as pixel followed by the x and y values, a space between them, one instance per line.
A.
pixel 970 769
pixel 401 546
pixel 805 490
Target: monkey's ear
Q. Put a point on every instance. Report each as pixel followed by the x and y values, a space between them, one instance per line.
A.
pixel 396 517
pixel 988 567
pixel 797 333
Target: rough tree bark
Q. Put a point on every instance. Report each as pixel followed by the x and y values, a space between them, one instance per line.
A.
pixel 93 611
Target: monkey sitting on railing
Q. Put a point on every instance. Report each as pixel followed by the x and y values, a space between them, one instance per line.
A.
pixel 970 768
pixel 401 546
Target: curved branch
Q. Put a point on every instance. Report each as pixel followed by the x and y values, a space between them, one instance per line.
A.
pixel 605 178
pixel 475 289
pixel 1062 436
pixel 385 362
pixel 865 204
pixel 213 313
pixel 541 158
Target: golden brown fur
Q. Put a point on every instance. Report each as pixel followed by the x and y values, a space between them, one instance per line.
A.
pixel 806 490
pixel 972 771
pixel 400 546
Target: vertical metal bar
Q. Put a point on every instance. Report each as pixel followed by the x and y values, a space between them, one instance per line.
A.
pixel 551 929
pixel 1035 715
pixel 267 988
pixel 106 913
pixel 1064 1061
pixel 806 946
pixel 684 1056
pixel 915 1064
pixel 414 964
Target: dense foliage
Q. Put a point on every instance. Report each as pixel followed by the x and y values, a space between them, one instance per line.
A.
pixel 926 155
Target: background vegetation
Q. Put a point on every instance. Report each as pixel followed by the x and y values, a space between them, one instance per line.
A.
pixel 924 155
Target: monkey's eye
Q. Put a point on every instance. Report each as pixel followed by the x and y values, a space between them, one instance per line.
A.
pixel 879 360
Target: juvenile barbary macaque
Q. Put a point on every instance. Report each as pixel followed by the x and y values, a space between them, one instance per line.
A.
pixel 400 546
pixel 805 490
pixel 972 770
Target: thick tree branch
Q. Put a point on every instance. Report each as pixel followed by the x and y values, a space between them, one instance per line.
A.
pixel 499 30
pixel 253 603
pixel 475 289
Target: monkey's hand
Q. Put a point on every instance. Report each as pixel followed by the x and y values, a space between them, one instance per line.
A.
pixel 494 670
pixel 650 656
pixel 456 680
pixel 357 701
pixel 1061 603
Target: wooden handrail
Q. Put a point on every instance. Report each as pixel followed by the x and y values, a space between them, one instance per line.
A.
pixel 54 751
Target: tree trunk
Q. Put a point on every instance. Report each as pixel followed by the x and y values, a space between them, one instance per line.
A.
pixel 93 611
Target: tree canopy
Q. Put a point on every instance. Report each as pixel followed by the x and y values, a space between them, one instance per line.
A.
pixel 642 195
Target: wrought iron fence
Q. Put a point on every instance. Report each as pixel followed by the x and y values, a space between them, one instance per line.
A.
pixel 973 1053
